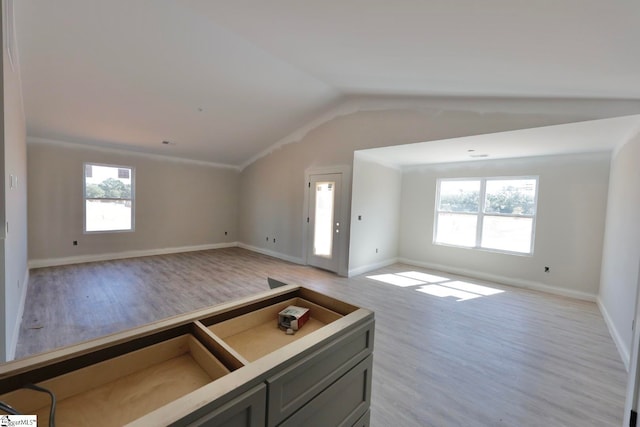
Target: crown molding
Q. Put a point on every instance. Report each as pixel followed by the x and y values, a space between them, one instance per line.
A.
pixel 77 145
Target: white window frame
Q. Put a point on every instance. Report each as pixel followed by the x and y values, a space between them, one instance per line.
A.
pixel 85 198
pixel 481 214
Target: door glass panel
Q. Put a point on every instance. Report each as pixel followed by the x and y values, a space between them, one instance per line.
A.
pixel 323 231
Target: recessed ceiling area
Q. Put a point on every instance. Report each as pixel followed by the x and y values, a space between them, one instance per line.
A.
pixel 224 81
pixel 573 138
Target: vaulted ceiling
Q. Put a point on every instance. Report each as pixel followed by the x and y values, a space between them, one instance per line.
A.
pixel 224 80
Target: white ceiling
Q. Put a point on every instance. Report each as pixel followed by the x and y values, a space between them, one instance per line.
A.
pixel 555 48
pixel 224 80
pixel 583 137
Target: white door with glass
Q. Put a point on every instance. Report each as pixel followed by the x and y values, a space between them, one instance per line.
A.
pixel 323 228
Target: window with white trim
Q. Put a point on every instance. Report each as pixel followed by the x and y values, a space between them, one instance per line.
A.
pixel 487 213
pixel 108 198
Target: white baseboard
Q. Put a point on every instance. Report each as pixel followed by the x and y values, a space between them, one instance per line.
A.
pixel 285 257
pixel 13 341
pixel 38 263
pixel 527 284
pixel 370 267
pixel 615 334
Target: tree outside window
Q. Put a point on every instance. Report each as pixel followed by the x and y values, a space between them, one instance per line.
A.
pixel 487 213
pixel 108 194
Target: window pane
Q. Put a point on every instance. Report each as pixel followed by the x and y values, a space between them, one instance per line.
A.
pixel 507 233
pixel 456 229
pixel 459 196
pixel 108 215
pixel 108 192
pixel 107 182
pixel 511 196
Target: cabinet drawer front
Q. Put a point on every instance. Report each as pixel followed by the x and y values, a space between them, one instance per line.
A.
pixel 292 388
pixel 342 404
pixel 246 410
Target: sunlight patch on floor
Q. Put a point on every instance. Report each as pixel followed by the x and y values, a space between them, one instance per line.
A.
pixel 396 280
pixel 443 291
pixel 429 278
pixel 473 288
pixel 438 286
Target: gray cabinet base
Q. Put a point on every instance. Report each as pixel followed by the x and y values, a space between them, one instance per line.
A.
pixel 341 404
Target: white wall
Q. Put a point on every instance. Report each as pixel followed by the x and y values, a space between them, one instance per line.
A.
pixel 178 205
pixel 272 187
pixel 569 224
pixel 375 215
pixel 15 202
pixel 621 252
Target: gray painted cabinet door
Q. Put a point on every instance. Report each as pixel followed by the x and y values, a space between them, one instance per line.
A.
pixel 342 404
pixel 299 383
pixel 246 410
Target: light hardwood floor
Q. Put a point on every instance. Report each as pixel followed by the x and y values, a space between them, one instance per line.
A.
pixel 514 358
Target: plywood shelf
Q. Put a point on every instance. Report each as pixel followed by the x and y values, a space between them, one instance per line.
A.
pixel 125 388
pixel 257 334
